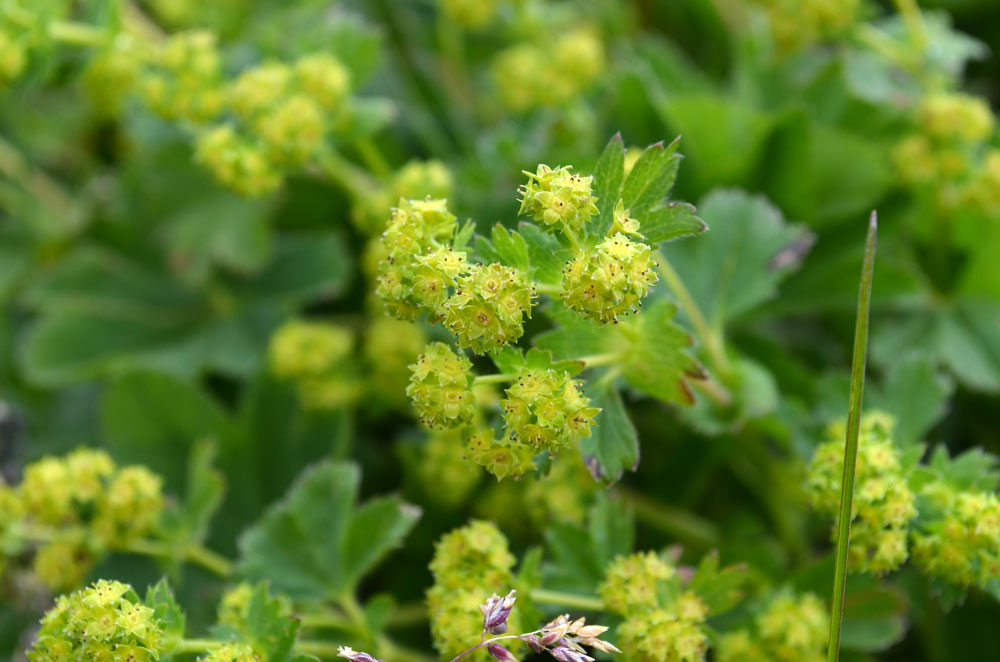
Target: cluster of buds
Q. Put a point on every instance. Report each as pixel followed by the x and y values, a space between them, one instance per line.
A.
pixel 466 560
pixel 562 638
pixel 949 151
pixel 231 652
pixel 530 75
pixel 182 77
pixel 613 278
pixel 790 629
pixel 390 347
pixel 470 14
pixel 660 625
pixel 884 505
pixel 70 510
pixel 959 540
pixel 547 410
pixel 441 388
pixel 105 621
pixel 316 357
pixel 632 583
pixel 416 180
pixel 558 199
pixel 24 30
pixel 797 25
pixel 279 116
pixel 418 265
pixel 488 307
pixel 501 457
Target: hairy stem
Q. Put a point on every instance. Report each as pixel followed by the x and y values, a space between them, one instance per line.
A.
pixel 551 290
pixel 587 602
pixel 710 338
pixel 373 157
pixel 356 182
pixel 79 34
pixel 590 361
pixel 851 443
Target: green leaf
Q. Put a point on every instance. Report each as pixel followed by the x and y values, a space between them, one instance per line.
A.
pixel 546 255
pixel 574 336
pixel 608 175
pixel 317 543
pixel 511 248
pixel 268 627
pixel 228 230
pixel 874 615
pixel 916 394
pixel 973 469
pixel 651 179
pixel 187 523
pixel 750 247
pixel 580 554
pixel 656 361
pixel 964 338
pixel 720 589
pixel 674 220
pixel 154 419
pixel 160 598
pixel 613 445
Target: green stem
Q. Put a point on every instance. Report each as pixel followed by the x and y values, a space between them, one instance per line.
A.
pixel 551 290
pixel 195 554
pixel 587 602
pixel 591 361
pixel 79 34
pixel 712 339
pixel 45 190
pixel 682 524
pixel 851 443
pixel 355 181
pixel 195 646
pixel 373 157
pixel 914 21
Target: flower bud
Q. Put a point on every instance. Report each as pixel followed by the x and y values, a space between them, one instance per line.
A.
pixel 495 612
pixel 500 654
pixel 488 307
pixel 558 199
pixel 441 388
pixel 324 78
pixel 237 162
pixel 546 410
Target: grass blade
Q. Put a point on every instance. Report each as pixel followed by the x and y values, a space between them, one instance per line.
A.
pixel 851 444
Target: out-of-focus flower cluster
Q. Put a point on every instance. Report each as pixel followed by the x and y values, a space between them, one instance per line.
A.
pixel 791 628
pixel 71 510
pixel 469 562
pixel 663 622
pixel 884 505
pixel 797 24
pixel 949 153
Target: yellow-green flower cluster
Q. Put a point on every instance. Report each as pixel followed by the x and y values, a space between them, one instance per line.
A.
pixel 884 505
pixel 280 115
pixel 23 29
pixel 797 24
pixel 791 629
pixel 418 265
pixel 182 79
pixel 674 633
pixel 441 388
pixel 948 151
pixel 317 357
pixel 660 625
pixel 231 653
pixel 961 541
pixel 613 278
pixel 470 14
pixel 470 563
pixel 105 621
pixel 564 495
pixel 545 409
pixel 558 199
pixel 488 307
pixel 532 75
pixel 501 457
pixel 632 583
pixel 76 507
pixel 416 180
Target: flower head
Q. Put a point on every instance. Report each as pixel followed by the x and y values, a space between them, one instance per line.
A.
pixel 558 199
pixel 441 387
